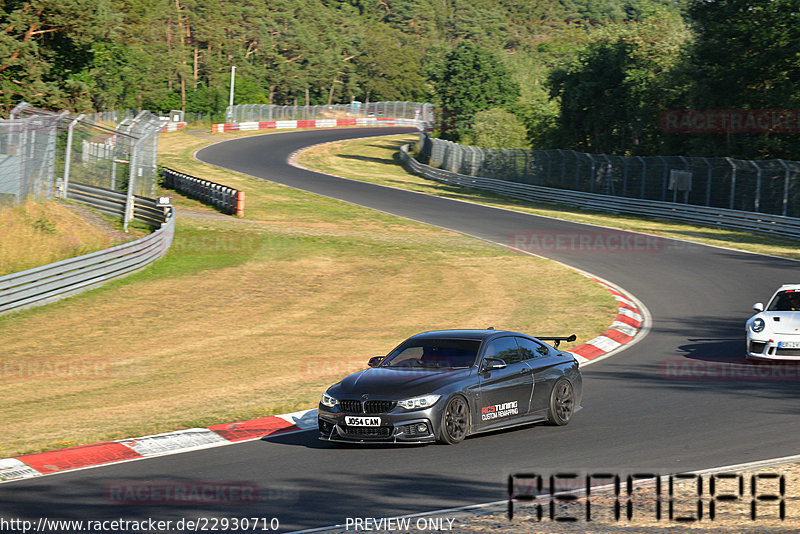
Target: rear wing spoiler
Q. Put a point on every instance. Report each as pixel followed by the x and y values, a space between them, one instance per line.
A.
pixel 557 340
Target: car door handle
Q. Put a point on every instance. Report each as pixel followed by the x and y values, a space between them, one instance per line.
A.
pixel 525 370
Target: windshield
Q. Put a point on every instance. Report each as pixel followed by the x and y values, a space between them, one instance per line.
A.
pixel 785 301
pixel 434 354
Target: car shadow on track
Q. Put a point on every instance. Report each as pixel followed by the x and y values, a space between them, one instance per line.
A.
pixel 310 440
pixel 708 360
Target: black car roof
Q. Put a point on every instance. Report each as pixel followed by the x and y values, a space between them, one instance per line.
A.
pixel 465 334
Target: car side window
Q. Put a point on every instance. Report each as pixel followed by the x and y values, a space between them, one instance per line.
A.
pixel 531 349
pixel 504 348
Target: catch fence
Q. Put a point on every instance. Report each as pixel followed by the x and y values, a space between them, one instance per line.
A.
pixel 418 112
pixel 761 186
pixel 41 152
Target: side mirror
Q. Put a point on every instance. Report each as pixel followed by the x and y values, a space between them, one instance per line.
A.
pixel 758 306
pixel 375 361
pixel 491 364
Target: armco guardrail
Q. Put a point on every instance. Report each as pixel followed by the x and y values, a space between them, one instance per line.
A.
pixel 739 220
pixel 225 198
pixel 113 203
pixel 55 281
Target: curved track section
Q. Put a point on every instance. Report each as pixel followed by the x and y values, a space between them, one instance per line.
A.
pixel 640 410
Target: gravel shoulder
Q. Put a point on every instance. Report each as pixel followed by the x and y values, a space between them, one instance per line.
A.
pixel 760 499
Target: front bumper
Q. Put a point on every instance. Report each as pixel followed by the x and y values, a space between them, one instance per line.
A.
pixel 396 427
pixel 771 348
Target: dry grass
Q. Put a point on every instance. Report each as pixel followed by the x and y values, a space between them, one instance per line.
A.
pixel 258 316
pixel 38 233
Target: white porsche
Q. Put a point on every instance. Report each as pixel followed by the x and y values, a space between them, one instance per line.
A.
pixel 774 332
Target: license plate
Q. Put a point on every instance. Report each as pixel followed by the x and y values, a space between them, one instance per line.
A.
pixel 789 344
pixel 362 421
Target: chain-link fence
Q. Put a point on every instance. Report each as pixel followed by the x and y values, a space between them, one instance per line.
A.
pixel 421 112
pixel 41 152
pixel 765 186
pixel 28 146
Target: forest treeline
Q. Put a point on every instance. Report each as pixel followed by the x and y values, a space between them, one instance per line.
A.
pixel 590 75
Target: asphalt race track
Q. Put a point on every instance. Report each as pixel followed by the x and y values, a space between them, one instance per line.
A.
pixel 638 415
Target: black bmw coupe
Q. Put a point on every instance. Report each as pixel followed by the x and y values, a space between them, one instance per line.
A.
pixel 448 384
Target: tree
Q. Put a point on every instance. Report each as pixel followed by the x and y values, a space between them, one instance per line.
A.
pixel 470 80
pixel 498 128
pixel 746 56
pixel 43 42
pixel 388 66
pixel 611 94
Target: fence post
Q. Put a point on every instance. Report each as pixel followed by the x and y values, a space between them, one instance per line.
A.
pixel 129 201
pixel 785 187
pixel 685 193
pixel 710 175
pixel 644 175
pixel 68 155
pixel 624 177
pixel 733 181
pixel 664 178
pixel 757 201
pixel 548 167
pixel 608 184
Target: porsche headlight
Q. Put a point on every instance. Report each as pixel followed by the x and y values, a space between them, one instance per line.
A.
pixel 757 325
pixel 328 401
pixel 418 403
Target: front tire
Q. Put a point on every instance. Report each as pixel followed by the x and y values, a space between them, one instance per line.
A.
pixel 562 403
pixel 455 421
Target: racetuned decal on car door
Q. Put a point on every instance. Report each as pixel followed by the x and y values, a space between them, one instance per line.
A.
pixel 498 411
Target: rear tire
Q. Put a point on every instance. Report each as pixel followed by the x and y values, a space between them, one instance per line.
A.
pixel 562 403
pixel 455 421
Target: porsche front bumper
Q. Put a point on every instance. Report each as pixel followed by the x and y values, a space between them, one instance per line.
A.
pixel 774 348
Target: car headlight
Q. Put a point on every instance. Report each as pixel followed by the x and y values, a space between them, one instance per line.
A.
pixel 418 403
pixel 328 401
pixel 757 325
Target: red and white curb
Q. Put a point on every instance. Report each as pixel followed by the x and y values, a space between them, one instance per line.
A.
pixel 173 127
pixel 626 326
pixel 107 452
pixel 315 123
